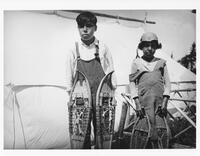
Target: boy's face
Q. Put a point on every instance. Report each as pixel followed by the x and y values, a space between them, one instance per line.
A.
pixel 149 49
pixel 86 31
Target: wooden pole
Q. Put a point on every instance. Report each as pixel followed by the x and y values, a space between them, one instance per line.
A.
pixel 112 16
pixel 183 90
pixel 183 131
pixel 187 118
pixel 173 99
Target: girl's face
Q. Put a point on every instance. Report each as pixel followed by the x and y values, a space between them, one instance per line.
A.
pixel 86 31
pixel 149 49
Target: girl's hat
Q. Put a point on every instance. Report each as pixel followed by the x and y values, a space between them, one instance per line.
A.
pixel 149 37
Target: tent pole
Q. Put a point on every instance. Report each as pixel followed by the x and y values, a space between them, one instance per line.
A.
pixel 112 16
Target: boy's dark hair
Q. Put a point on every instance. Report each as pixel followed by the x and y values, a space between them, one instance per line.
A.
pixel 86 17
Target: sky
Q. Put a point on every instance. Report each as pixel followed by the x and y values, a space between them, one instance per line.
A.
pixel 36 43
pixel 176 29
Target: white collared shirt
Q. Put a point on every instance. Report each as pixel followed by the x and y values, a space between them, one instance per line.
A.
pixel 87 53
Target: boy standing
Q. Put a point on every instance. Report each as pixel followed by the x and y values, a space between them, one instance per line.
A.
pixel 91 57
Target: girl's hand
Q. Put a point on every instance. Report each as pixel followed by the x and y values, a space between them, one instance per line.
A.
pixel 139 110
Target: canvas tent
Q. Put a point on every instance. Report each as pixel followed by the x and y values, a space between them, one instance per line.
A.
pixel 35 101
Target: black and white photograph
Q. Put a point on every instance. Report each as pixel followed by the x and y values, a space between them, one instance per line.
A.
pixel 88 79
